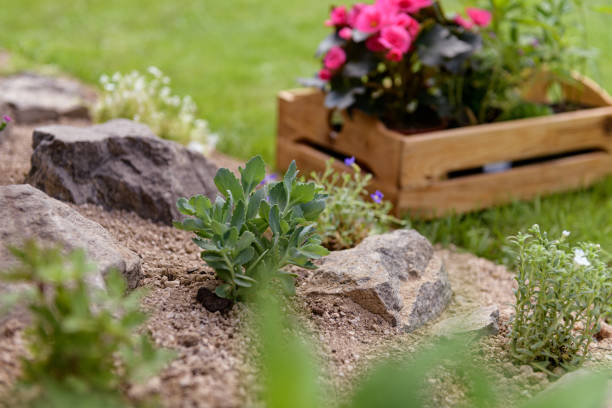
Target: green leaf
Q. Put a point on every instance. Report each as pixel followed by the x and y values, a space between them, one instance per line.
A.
pixel 313 209
pixel 200 204
pixel 290 176
pixel 284 226
pixel 238 217
pixel 303 193
pixel 185 207
pixel 218 228
pixel 278 195
pixel 314 251
pixel 191 224
pixel 246 239
pixel 274 220
pixel 231 236
pixel 254 202
pixel 226 181
pixel 254 172
pixel 264 210
pixel 224 291
pixel 244 257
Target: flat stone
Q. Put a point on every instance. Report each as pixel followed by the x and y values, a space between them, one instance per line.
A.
pixel 482 321
pixel 120 164
pixel 396 276
pixel 32 98
pixel 28 213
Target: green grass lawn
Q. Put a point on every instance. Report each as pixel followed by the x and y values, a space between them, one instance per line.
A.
pixel 233 56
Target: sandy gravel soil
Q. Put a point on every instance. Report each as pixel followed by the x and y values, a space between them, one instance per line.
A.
pixel 213 367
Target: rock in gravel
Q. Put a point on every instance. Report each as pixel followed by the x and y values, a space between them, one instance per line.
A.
pixel 394 275
pixel 605 331
pixel 33 98
pixel 482 321
pixel 28 213
pixel 120 164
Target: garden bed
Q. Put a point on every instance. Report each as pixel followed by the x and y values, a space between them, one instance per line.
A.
pixel 435 173
pixel 215 365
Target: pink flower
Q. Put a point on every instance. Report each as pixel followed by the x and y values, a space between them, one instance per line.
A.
pixel 325 74
pixel 412 6
pixel 7 118
pixel 410 23
pixel 373 44
pixel 480 17
pixel 467 24
pixel 335 58
pixel 338 17
pixel 394 55
pixel 395 38
pixel 370 19
pixel 346 33
pixel 354 13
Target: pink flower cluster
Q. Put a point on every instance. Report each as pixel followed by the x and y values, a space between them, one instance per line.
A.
pixel 387 23
pixel 479 17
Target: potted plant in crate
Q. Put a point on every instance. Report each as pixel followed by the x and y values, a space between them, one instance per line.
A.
pixel 429 104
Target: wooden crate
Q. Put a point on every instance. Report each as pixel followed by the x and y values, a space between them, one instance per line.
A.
pixel 432 174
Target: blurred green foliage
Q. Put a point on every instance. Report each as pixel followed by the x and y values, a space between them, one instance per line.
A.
pixel 84 349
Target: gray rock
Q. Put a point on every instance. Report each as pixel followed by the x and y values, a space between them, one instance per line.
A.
pixel 28 213
pixel 395 275
pixel 483 321
pixel 120 165
pixel 32 98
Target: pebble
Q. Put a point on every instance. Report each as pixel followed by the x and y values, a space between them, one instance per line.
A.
pixel 173 284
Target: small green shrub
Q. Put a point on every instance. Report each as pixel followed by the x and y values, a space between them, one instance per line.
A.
pixel 147 98
pixel 350 215
pixel 562 293
pixel 82 341
pixel 251 233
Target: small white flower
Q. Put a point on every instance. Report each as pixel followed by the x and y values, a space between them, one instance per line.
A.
pixel 197 147
pixel 566 234
pixel 580 258
pixel 153 70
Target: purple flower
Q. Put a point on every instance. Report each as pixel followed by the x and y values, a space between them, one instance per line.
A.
pixel 349 161
pixel 377 197
pixel 535 43
pixel 269 178
pixel 7 118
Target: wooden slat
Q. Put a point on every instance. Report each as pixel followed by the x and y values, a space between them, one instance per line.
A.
pixel 480 191
pixel 429 157
pixel 309 159
pixel 303 117
pixel 585 91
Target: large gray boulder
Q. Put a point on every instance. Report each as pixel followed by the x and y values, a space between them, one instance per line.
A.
pixel 27 213
pixel 119 165
pixel 32 98
pixel 395 275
